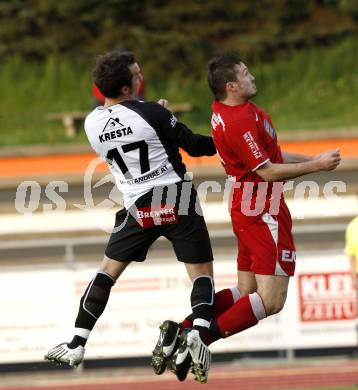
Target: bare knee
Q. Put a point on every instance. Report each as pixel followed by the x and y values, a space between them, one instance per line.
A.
pixel 273 303
pixel 273 291
pixel 273 307
pixel 195 270
pixel 246 290
pixel 246 282
pixel 114 268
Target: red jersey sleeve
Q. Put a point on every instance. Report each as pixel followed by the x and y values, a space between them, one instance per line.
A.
pixel 243 138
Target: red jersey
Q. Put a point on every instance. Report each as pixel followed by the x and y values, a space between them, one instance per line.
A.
pixel 245 139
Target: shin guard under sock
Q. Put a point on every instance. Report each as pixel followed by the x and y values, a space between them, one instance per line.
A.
pixel 92 305
pixel 202 304
pixel 223 299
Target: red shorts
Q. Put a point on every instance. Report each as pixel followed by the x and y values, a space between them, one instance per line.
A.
pixel 266 246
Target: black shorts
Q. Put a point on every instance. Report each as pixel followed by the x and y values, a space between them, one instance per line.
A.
pixel 169 211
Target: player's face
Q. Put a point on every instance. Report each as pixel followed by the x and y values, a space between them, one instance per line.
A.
pixel 246 81
pixel 136 79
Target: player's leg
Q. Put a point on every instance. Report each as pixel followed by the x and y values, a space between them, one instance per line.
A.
pixel 272 286
pixel 243 314
pixel 202 295
pixel 246 283
pixel 222 301
pixel 225 298
pixel 272 255
pixel 95 298
pixel 246 310
pixel 92 305
pixel 202 303
pixel 193 350
pixel 250 309
pixel 191 243
pixel 128 242
pixel 273 291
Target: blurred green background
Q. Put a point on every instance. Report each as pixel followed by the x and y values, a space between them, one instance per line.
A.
pixel 304 55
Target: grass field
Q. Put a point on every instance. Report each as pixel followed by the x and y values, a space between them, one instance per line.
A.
pixel 312 89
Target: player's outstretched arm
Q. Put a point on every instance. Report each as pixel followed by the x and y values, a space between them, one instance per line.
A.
pixel 276 172
pixel 195 145
pixel 179 134
pixel 291 158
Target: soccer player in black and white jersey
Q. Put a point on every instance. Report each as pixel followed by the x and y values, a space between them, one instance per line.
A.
pixel 140 141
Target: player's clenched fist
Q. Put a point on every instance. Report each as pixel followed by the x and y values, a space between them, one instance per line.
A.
pixel 329 160
pixel 163 102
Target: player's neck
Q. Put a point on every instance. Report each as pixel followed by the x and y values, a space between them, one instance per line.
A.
pixel 234 100
pixel 112 101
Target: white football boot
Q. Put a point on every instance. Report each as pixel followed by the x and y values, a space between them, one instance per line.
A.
pixel 61 354
pixel 200 355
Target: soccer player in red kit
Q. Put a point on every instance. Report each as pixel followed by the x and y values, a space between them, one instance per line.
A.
pixel 246 142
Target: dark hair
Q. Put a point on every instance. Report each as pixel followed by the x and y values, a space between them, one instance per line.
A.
pixel 221 70
pixel 111 72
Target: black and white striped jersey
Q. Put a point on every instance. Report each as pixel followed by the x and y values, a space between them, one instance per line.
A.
pixel 140 142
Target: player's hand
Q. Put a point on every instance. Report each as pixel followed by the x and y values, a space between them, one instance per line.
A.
pixel 164 103
pixel 329 160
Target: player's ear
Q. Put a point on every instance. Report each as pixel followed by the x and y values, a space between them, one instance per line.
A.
pixel 125 90
pixel 231 86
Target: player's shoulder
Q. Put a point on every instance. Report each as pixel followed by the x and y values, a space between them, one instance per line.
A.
pixel 248 111
pixel 153 106
pixel 243 117
pixel 251 115
pixel 149 109
pixel 232 114
pixel 252 109
pixel 256 110
pixel 99 111
pixel 93 115
pixel 142 104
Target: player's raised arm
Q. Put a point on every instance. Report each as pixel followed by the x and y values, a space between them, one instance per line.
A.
pixel 291 158
pixel 179 134
pixel 276 172
pixel 195 145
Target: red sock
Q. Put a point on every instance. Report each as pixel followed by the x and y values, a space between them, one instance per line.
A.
pixel 186 324
pixel 224 299
pixel 244 314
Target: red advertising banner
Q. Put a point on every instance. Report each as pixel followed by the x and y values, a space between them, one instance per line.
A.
pixel 326 297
